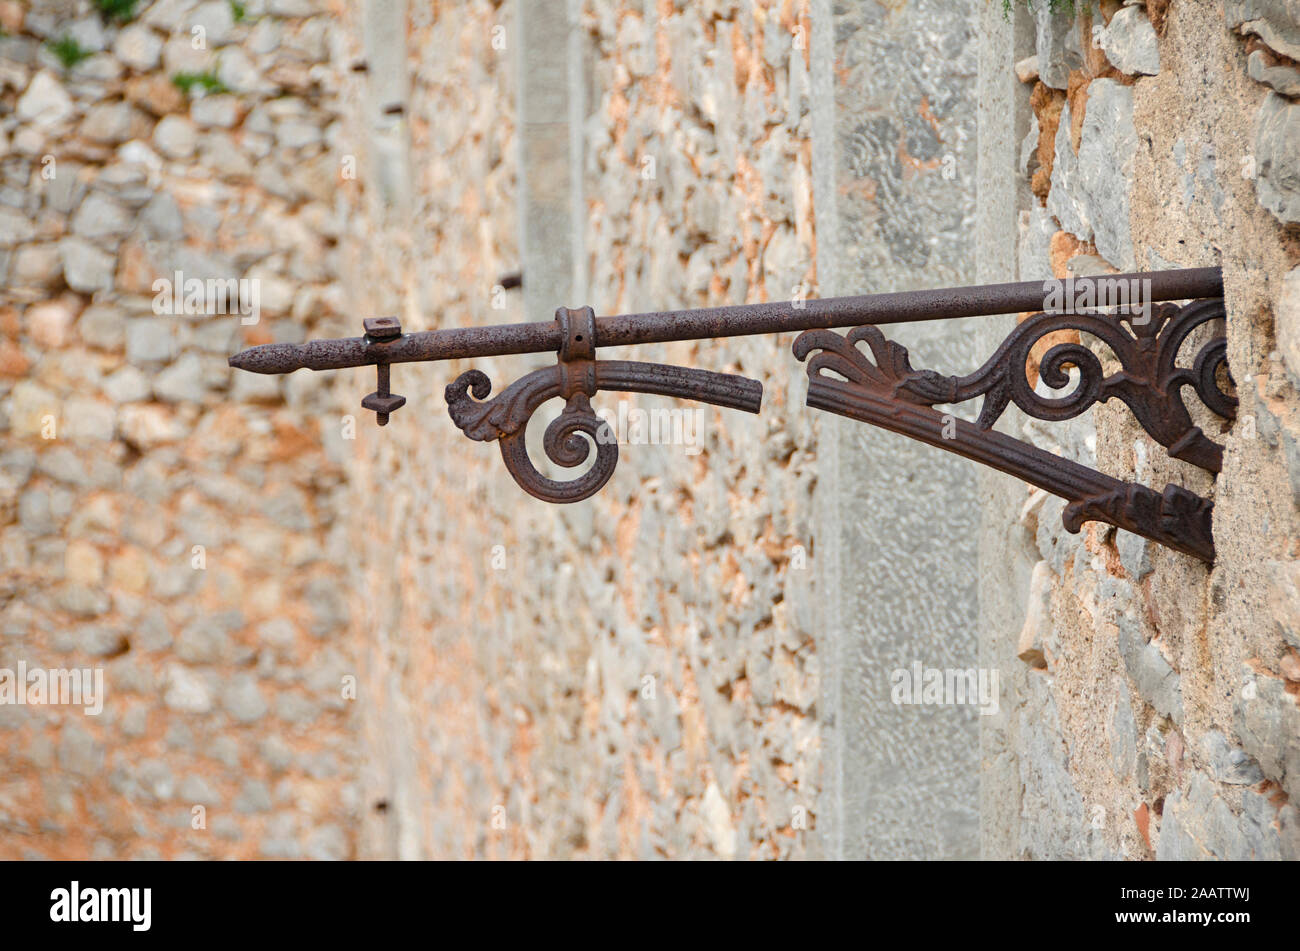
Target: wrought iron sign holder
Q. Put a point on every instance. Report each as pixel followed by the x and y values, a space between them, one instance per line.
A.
pixel 881 388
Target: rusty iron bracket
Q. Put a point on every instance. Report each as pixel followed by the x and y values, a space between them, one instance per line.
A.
pixel 1144 337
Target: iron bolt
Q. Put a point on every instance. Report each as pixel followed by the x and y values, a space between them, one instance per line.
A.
pixel 382 330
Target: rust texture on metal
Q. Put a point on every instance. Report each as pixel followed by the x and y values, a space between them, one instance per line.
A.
pixel 890 394
pixel 463 343
pixel 1145 341
pixel 382 331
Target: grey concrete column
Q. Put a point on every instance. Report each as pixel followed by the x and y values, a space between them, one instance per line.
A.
pixel 391 767
pixel 388 82
pixel 895 172
pixel 550 129
pixel 1004 117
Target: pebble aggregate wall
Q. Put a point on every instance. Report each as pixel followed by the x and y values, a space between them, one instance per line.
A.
pixel 713 98
pixel 631 676
pixel 449 743
pixel 161 517
pixel 1155 712
pixel 636 676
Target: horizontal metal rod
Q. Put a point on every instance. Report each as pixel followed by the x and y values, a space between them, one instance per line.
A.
pixel 740 320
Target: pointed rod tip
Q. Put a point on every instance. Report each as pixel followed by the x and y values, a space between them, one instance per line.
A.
pixel 267 358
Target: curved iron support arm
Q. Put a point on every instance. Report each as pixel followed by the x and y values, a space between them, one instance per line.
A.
pixel 890 394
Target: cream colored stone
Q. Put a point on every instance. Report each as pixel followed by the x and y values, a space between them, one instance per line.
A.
pixel 35 265
pixel 147 425
pixel 718 823
pixel 88 418
pixel 130 571
pixel 84 564
pixel 33 409
pixel 45 103
pixel 98 514
pixel 49 322
pixel 1286 321
pixel 1032 646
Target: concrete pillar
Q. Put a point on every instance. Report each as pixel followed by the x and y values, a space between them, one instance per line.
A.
pixel 1004 555
pixel 895 174
pixel 384 34
pixel 550 129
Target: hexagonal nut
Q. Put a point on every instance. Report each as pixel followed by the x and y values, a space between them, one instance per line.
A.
pixel 382 328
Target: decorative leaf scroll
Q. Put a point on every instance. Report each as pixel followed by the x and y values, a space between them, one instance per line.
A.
pixel 1149 382
pixel 886 391
pixel 504 414
pixel 505 417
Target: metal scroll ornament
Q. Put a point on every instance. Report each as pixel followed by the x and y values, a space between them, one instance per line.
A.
pixel 887 392
pixel 576 378
pixel 876 385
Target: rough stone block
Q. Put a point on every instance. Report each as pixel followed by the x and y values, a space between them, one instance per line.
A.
pixel 1057 43
pixel 1156 681
pixel 1277 157
pixel 1227 764
pixel 1268 722
pixel 1130 42
pixel 1276 22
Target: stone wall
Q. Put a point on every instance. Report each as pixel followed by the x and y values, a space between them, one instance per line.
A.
pixel 698 172
pixel 1154 711
pixel 445 648
pixel 646 674
pixel 324 639
pixel 164 519
pixel 632 676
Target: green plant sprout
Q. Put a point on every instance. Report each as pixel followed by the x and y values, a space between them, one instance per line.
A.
pixel 1053 6
pixel 68 50
pixel 209 82
pixel 119 10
